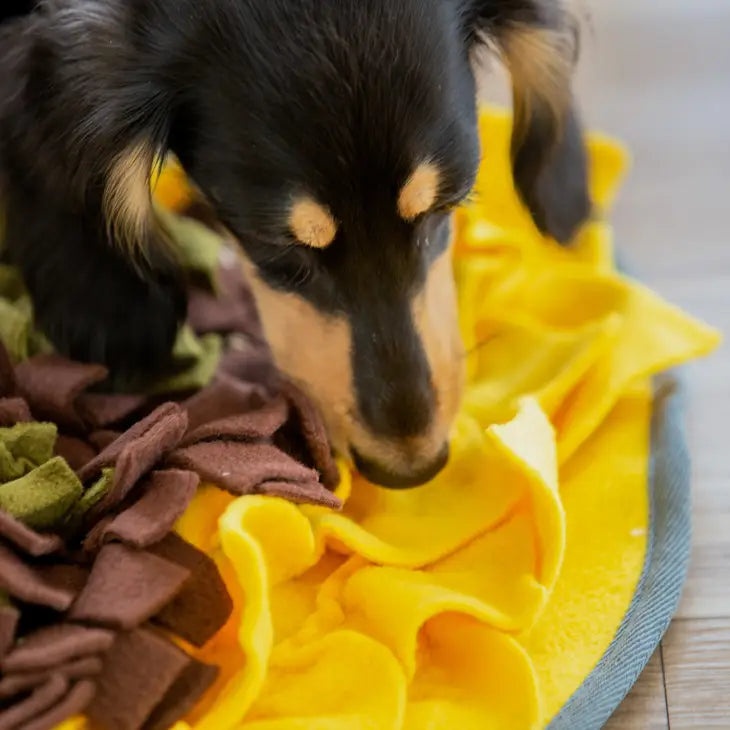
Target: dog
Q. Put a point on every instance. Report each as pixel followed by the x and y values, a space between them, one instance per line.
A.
pixel 332 138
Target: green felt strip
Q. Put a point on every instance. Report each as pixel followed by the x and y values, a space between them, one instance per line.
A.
pixel 42 498
pixel 24 447
pixel 15 328
pixel 199 247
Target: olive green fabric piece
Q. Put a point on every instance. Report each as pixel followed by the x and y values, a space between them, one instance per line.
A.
pixel 199 248
pixel 24 447
pixel 43 497
pixel 75 517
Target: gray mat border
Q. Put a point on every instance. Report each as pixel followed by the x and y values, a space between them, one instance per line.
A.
pixel 665 568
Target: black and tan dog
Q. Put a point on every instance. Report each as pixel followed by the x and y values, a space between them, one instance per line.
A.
pixel 332 137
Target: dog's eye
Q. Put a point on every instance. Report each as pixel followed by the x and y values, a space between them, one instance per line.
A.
pixel 289 267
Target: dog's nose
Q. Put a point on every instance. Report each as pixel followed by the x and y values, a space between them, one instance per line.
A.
pixel 380 474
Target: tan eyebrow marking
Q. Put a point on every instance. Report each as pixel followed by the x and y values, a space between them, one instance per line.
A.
pixel 420 191
pixel 311 223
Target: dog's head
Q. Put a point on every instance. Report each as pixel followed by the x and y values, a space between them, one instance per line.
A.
pixel 333 138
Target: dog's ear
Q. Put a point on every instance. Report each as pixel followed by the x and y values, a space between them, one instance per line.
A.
pixel 538 42
pixel 83 117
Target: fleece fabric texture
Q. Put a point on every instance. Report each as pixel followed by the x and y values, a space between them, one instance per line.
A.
pixel 484 599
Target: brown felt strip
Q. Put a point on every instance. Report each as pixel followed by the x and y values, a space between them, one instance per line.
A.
pixel 56 644
pixel 100 410
pixel 112 452
pixel 72 704
pixel 126 587
pixel 29 541
pixel 103 438
pixel 312 492
pixel 19 683
pixel 51 383
pixel 166 496
pixel 309 423
pixel 240 467
pixel 27 584
pixel 203 606
pixel 140 455
pixel 8 624
pixel 75 451
pixel 189 687
pixel 262 423
pixel 141 665
pixel 42 699
pixel 14 410
pixel 224 397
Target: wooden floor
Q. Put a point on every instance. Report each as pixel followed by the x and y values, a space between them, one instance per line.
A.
pixel 657 73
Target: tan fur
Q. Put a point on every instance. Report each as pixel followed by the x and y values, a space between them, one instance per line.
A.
pixel 540 62
pixel 420 191
pixel 311 349
pixel 128 199
pixel 311 223
pixel 314 350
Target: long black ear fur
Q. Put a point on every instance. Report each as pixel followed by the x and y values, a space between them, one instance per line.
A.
pixel 538 43
pixel 83 117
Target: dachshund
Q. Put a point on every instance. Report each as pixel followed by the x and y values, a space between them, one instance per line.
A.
pixel 332 138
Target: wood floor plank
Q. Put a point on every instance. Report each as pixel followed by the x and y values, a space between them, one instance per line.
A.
pixel 645 708
pixel 697 673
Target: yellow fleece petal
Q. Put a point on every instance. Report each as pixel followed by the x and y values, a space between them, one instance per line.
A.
pixel 415 527
pixel 343 681
pixel 471 677
pixel 266 541
pixel 606 502
pixel 654 336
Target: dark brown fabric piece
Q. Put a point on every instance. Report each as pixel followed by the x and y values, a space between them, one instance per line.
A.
pixel 70 577
pixel 113 451
pixel 141 667
pixel 51 383
pixel 14 410
pixel 29 541
pixel 103 438
pixel 75 450
pixel 41 700
pixel 166 496
pixel 137 453
pixel 8 624
pixel 203 606
pixel 27 583
pixel 232 310
pixel 259 424
pixel 189 687
pixel 54 645
pixel 224 397
pixel 21 682
pixel 312 492
pixel 240 467
pixel 308 422
pixel 126 587
pixel 100 410
pixel 74 703
pixel 250 364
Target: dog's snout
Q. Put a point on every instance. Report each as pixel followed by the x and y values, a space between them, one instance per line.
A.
pixel 416 476
pixel 400 408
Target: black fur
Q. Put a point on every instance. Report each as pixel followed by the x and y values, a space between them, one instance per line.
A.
pixel 260 100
